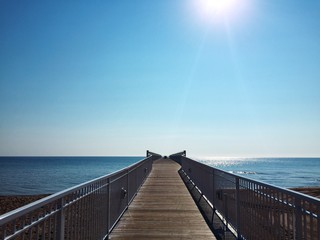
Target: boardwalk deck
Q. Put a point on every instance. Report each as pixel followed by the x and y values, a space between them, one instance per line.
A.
pixel 163 209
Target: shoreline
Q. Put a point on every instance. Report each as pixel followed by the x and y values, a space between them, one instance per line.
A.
pixel 9 203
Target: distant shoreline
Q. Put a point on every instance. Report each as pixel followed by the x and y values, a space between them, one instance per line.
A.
pixel 9 203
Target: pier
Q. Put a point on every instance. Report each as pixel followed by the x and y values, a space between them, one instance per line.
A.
pixel 167 198
pixel 163 209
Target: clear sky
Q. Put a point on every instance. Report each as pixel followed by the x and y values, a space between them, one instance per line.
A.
pixel 214 77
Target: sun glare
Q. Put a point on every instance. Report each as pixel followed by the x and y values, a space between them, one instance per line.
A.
pixel 218 10
pixel 217 6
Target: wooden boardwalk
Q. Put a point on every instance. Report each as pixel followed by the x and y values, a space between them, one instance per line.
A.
pixel 162 209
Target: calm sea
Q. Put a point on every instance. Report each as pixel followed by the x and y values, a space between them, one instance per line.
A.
pixel 38 175
pixel 283 172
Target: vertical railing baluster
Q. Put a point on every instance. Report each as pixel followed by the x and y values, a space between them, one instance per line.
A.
pixel 61 220
pixel 91 235
pixel 52 224
pixel 318 221
pixel 225 200
pixel 128 190
pixel 265 211
pixel 287 214
pixel 37 229
pixel 311 222
pixel 43 236
pixel 258 208
pixel 71 217
pixel 283 212
pixel 96 210
pixel 254 210
pixel 248 208
pixel 238 208
pixel 276 198
pixel 298 220
pixel 77 227
pixel 305 222
pixel 108 219
pixel 93 222
pixel 86 209
pixel 81 213
pixel 213 196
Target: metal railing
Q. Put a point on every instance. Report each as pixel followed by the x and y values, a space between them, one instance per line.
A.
pixel 87 211
pixel 251 209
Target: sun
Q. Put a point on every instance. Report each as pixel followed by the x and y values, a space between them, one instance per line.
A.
pixel 216 10
pixel 217 6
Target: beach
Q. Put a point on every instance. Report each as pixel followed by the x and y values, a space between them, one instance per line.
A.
pixel 312 191
pixel 9 203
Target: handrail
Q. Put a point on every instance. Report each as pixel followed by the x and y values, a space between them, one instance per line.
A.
pixel 87 211
pixel 154 155
pixel 251 209
pixel 178 156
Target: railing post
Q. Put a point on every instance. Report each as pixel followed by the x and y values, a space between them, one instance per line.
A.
pixel 61 220
pixel 318 220
pixel 298 222
pixel 109 199
pixel 225 200
pixel 213 196
pixel 128 190
pixel 238 208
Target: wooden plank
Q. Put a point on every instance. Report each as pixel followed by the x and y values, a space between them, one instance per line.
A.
pixel 162 209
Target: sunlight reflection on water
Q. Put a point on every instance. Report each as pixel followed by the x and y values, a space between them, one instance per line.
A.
pixel 284 172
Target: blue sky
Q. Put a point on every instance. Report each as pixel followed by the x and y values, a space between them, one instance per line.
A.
pixel 119 77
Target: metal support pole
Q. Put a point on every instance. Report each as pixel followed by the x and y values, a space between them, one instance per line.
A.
pixel 238 208
pixel 318 220
pixel 128 190
pixel 225 199
pixel 109 199
pixel 213 197
pixel 61 221
pixel 298 219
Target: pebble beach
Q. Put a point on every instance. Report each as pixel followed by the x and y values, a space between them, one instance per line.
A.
pixel 9 203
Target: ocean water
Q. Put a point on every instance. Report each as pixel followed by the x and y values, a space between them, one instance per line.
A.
pixel 38 175
pixel 42 175
pixel 283 172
